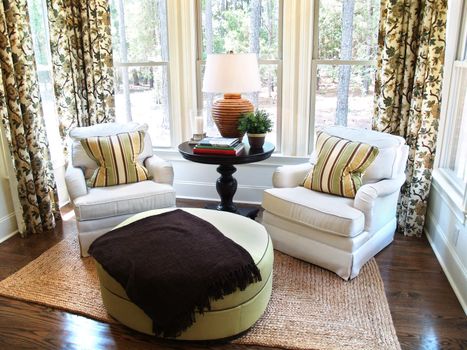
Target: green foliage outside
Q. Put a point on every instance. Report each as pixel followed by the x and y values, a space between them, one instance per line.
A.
pixel 144 30
pixel 38 31
pixel 257 122
pixel 231 27
pixel 364 40
pixel 365 29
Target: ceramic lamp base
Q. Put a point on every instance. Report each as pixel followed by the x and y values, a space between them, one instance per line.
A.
pixel 227 111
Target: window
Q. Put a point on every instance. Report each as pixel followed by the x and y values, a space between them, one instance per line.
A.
pixel 452 150
pixel 140 51
pixel 343 64
pixel 244 26
pixel 456 161
pixel 40 35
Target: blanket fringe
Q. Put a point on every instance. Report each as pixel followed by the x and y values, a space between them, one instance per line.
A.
pixel 224 285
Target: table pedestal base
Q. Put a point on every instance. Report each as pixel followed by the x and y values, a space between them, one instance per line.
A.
pixel 226 186
pixel 251 213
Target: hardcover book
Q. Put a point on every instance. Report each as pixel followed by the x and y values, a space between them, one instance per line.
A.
pixel 218 142
pixel 231 151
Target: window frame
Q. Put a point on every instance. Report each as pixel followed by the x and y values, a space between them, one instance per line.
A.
pixel 315 62
pixel 58 159
pixel 278 62
pixel 150 63
pixel 455 57
pixel 447 148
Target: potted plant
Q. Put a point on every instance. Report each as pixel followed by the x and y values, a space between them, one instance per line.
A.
pixel 256 124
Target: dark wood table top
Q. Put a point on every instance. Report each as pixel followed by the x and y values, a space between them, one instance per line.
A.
pixel 248 155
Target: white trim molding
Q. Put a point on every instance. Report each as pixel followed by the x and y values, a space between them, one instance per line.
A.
pixel 451 197
pixel 446 231
pixel 297 57
pixel 206 191
pixel 11 174
pixel 198 181
pixel 8 227
pixel 453 268
pixel 181 21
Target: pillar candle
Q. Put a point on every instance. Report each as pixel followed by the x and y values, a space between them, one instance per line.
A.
pixel 199 124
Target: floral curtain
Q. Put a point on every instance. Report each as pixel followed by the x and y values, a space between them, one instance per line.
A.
pixel 408 94
pixel 81 47
pixel 22 119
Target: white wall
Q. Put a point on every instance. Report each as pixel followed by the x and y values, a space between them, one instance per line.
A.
pixel 446 230
pixel 198 181
pixel 8 225
pixel 446 226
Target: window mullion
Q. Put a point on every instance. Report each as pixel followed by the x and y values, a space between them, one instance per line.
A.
pixel 336 62
pixel 314 77
pixel 141 64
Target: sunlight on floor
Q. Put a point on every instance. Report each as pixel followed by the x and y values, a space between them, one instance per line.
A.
pixel 87 333
pixel 68 216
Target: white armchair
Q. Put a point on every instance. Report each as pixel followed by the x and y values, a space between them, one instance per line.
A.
pixel 99 209
pixel 337 233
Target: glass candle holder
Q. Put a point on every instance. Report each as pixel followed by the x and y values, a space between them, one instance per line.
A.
pixel 197 119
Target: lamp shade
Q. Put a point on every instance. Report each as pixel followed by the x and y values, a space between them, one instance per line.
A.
pixel 231 73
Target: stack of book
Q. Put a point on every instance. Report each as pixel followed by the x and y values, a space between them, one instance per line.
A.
pixel 219 145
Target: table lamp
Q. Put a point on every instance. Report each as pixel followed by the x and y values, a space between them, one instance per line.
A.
pixel 231 74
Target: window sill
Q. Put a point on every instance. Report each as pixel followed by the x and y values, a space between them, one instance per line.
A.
pixel 276 159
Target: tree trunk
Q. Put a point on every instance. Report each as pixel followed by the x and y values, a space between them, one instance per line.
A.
pixel 162 9
pixel 208 26
pixel 151 77
pixel 344 70
pixel 208 37
pixel 255 23
pixel 135 77
pixel 124 58
pixel 270 16
pixel 367 75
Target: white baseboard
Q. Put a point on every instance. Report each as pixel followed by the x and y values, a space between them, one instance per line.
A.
pixel 247 194
pixel 8 227
pixel 449 260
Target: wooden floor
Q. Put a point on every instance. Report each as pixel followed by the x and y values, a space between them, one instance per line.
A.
pixel 425 310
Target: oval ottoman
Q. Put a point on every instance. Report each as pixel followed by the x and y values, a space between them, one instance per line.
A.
pixel 229 316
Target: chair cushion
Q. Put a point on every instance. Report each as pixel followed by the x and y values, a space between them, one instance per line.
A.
pixel 314 209
pixel 116 156
pixel 340 165
pixel 104 202
pixel 79 157
pixel 385 165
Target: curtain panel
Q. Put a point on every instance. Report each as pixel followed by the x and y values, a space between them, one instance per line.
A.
pixel 408 94
pixel 81 47
pixel 23 123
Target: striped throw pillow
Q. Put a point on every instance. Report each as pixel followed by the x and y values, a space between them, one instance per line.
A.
pixel 116 157
pixel 340 165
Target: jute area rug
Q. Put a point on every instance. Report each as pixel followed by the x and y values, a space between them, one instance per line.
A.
pixel 310 308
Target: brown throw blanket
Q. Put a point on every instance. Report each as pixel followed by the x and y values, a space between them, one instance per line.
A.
pixel 171 265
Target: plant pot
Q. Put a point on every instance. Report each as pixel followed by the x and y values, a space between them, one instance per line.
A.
pixel 256 140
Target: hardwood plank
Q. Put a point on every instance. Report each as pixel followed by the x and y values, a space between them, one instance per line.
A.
pixel 425 310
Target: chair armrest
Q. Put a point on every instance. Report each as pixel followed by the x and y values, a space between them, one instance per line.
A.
pixel 160 170
pixel 291 175
pixel 370 192
pixel 75 182
pixel 378 201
